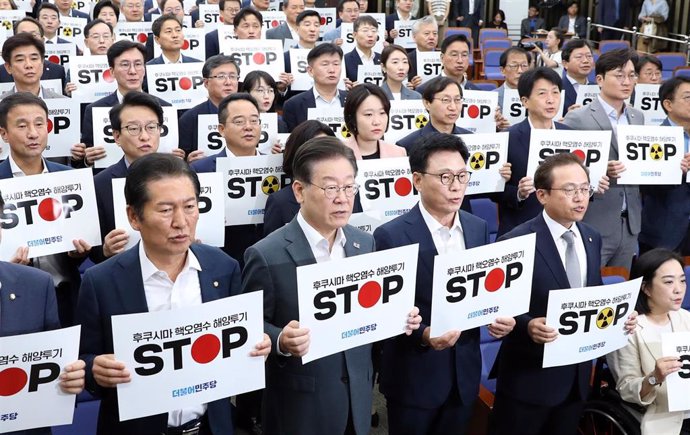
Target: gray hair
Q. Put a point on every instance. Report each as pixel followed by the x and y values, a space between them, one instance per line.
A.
pixel 424 21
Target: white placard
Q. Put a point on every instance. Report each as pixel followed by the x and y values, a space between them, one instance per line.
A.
pixel 332 117
pixel 93 78
pixel 256 55
pixel 647 100
pixel 348 37
pixel 54 85
pixel 478 111
pixel 488 153
pixel 328 19
pixel 650 155
pixel 677 344
pixel 386 186
pixel 366 221
pixel 8 17
pixel 586 94
pixel 72 29
pixel 429 65
pixel 82 5
pixel 370 74
pixel 103 135
pixel 61 53
pixel 298 67
pixel 210 16
pixel 269 132
pixel 589 321
pixel 30 367
pixel 47 212
pixel 194 45
pixel 486 282
pixel 357 300
pixel 64 126
pixel 592 147
pixel 272 19
pixel 137 31
pixel 209 139
pixel 406 116
pixel 226 33
pixel 404 38
pixel 248 181
pixel 180 84
pixel 514 111
pixel 213 362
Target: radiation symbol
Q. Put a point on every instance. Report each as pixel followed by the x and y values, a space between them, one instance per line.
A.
pixel 604 318
pixel 74 5
pixel 67 31
pixel 270 185
pixel 7 24
pixel 344 131
pixel 655 152
pixel 420 121
pixel 477 161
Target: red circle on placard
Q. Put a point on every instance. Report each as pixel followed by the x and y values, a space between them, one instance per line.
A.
pixel 205 348
pixel 275 23
pixel 580 154
pixel 50 125
pixel 49 209
pixel 142 37
pixel 259 58
pixel 323 21
pixel 494 280
pixel 402 186
pixel 369 294
pixel 185 44
pixel 473 111
pixel 108 76
pixel 185 83
pixel 12 380
pixel 54 58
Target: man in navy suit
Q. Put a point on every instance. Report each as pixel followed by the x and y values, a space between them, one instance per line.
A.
pixel 455 58
pixel 142 279
pixel 613 13
pixel 578 61
pixel 365 30
pixel 402 13
pixel 49 17
pixel 167 32
pixel 324 67
pixel 531 399
pixel 228 10
pixel 425 34
pixel 98 37
pixel 666 209
pixel 472 18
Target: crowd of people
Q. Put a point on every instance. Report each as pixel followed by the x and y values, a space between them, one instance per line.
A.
pixel 430 384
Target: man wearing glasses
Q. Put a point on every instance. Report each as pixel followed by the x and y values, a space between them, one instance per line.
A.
pixel 578 61
pixel 431 384
pixel 455 58
pixel 513 62
pixel 617 213
pixel 98 37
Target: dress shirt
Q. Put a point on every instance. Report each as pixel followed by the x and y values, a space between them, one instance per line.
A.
pixel 322 103
pixel 557 231
pixel 446 239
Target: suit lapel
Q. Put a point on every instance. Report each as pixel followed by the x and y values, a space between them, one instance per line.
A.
pixel 546 247
pixel 593 273
pixel 298 247
pixel 472 238
pixel 9 315
pixel 130 285
pixel 207 278
pixel 417 232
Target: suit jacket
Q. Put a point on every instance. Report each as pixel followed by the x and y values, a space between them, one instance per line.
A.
pixel 281 208
pixel 116 287
pixel 352 61
pixel 519 361
pixel 385 149
pixel 189 124
pixel 391 19
pixel 471 18
pixel 512 211
pixel 570 92
pixel 50 71
pixel 606 13
pixel 309 399
pixel 630 364
pixel 665 213
pixel 405 92
pixel 580 25
pixel 525 30
pixel 604 211
pixel 47 93
pixel 103 184
pixel 280 32
pixel 410 141
pixel 159 60
pixel 295 109
pixel 413 374
pixel 212 47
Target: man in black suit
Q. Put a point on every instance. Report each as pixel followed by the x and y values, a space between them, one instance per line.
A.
pixel 472 18
pixel 167 32
pixel 578 62
pixel 228 10
pixel 365 30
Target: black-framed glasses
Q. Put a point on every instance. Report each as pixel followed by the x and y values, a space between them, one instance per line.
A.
pixel 332 191
pixel 570 191
pixel 135 129
pixel 447 178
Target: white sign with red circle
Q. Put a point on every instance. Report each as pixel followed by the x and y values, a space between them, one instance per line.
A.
pixel 46 212
pixel 255 55
pixel 181 358
pixel 64 126
pixel 61 53
pixel 486 282
pixel 136 31
pixel 478 111
pixel 194 44
pixel 385 186
pixel 272 19
pixel 93 78
pixel 30 368
pixel 180 84
pixel 328 19
pixel 357 300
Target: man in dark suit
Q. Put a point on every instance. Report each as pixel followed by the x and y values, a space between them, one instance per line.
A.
pixel 425 35
pixel 531 399
pixel 288 29
pixel 24 57
pixel 431 384
pixel 578 61
pixel 572 22
pixel 324 66
pixel 331 395
pixel 221 75
pixel 98 37
pixel 126 284
pixel 666 209
pixel 402 12
pixel 167 32
pixel 455 58
pixel 532 23
pixel 365 30
pixel 474 19
pixel 49 17
pixel 228 10
pixel 613 13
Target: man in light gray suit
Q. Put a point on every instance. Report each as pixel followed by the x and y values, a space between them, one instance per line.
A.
pixel 617 213
pixel 288 29
pixel 331 395
pixel 23 55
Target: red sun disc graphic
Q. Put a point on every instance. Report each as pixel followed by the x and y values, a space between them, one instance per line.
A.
pixel 369 294
pixel 259 58
pixel 403 186
pixel 54 58
pixel 49 209
pixel 185 44
pixel 185 83
pixel 108 76
pixel 494 280
pixel 205 348
pixel 50 126
pixel 473 111
pixel 12 381
pixel 580 154
pixel 142 37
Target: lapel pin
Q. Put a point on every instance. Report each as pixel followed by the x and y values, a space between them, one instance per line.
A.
pixel 12 296
pixel 589 238
pixel 215 284
pixel 356 245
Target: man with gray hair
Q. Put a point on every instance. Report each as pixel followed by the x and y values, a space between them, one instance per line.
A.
pixel 425 34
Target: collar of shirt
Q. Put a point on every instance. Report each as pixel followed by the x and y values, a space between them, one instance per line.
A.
pixel 686 136
pixel 231 154
pixel 574 82
pixel 435 227
pixel 17 171
pixel 334 102
pixel 612 113
pixel 462 83
pixel 120 97
pixel 365 59
pixel 557 229
pixel 403 19
pixel 53 40
pixel 168 61
pixel 531 126
pixel 148 269
pixel 318 243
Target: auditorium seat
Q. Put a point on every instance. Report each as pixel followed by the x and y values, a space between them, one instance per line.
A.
pixel 669 62
pixel 681 71
pixel 492 68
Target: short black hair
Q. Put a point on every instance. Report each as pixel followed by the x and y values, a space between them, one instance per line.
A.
pixel 120 47
pixel 644 60
pixel 47 5
pixel 645 267
pixel 19 99
pixel 501 13
pixel 317 150
pixel 158 23
pixel 452 39
pixel 572 45
pixel 106 4
pixel 242 15
pixel 389 50
pixel 165 2
pixel 324 49
pixel 214 62
pixel 341 4
pixel 307 13
pixel 221 3
pixel 436 85
pixel 667 90
pixel 503 60
pixel 364 19
pixel 135 99
pixel 299 135
pixel 21 40
pixel 90 25
pixel 356 97
pixel 433 143
pixel 223 106
pixel 150 168
pixel 543 176
pixel 31 20
pixel 530 77
pixel 614 59
pixel 558 32
pixel 254 79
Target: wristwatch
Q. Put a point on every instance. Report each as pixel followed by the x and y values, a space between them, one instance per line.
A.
pixel 652 381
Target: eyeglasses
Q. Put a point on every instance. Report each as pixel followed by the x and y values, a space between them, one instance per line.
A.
pixel 98 37
pixel 224 77
pixel 447 178
pixel 233 11
pixel 135 129
pixel 447 100
pixel 570 191
pixel 651 73
pixel 126 65
pixel 265 91
pixel 241 122
pixel 517 66
pixel 332 192
pixel 621 77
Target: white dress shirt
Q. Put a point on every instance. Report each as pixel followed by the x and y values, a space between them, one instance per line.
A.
pixel 366 60
pixel 557 231
pixel 162 294
pixel 167 61
pixel 322 103
pixel 318 243
pixel 445 239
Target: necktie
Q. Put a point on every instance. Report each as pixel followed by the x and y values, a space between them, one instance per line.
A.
pixel 49 42
pixel 572 264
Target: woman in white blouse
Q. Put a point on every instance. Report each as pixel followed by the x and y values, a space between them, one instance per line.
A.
pixel 550 55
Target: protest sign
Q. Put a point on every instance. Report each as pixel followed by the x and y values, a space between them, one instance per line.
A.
pixel 650 155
